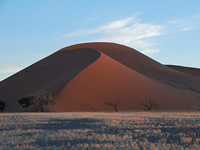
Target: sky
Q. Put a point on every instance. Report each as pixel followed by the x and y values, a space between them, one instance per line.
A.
pixel 166 31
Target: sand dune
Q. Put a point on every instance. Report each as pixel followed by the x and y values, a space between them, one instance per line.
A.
pixel 146 66
pixel 106 80
pixel 83 77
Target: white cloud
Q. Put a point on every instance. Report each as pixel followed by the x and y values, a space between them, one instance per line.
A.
pixel 186 29
pixel 110 26
pixel 129 31
pixel 129 35
pixel 117 24
pixel 149 51
pixel 184 24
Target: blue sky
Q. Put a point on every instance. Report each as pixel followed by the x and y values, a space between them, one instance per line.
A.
pixel 167 31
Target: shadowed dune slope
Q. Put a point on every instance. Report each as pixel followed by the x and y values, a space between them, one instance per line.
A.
pixel 50 74
pixel 107 80
pixel 188 70
pixel 146 66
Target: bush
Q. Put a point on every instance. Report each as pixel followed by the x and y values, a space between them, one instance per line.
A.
pixel 26 101
pixel 2 105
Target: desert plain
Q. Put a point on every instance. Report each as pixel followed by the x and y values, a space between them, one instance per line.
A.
pixel 100 130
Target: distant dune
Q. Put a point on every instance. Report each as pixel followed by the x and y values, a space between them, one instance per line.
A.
pixel 187 70
pixel 83 77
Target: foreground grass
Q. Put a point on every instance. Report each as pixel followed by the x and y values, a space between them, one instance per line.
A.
pixel 95 130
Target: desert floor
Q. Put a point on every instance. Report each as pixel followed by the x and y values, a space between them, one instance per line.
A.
pixel 100 130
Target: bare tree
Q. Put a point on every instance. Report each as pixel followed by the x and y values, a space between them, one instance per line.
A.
pixel 37 100
pixel 113 104
pixel 41 99
pixel 150 105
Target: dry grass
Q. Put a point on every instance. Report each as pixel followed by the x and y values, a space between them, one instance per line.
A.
pixel 95 130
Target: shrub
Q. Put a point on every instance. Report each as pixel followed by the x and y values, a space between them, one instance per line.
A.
pixel 2 105
pixel 26 101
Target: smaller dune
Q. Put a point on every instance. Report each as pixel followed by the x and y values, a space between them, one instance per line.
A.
pixel 188 70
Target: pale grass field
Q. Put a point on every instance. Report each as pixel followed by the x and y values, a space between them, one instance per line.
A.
pixel 100 130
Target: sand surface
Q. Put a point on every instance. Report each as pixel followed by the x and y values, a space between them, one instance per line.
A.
pixel 187 70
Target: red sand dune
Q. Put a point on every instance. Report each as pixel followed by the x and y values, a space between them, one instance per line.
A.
pixel 107 72
pixel 146 66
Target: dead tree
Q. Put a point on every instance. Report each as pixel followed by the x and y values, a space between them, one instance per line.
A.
pixel 150 105
pixel 41 99
pixel 113 104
